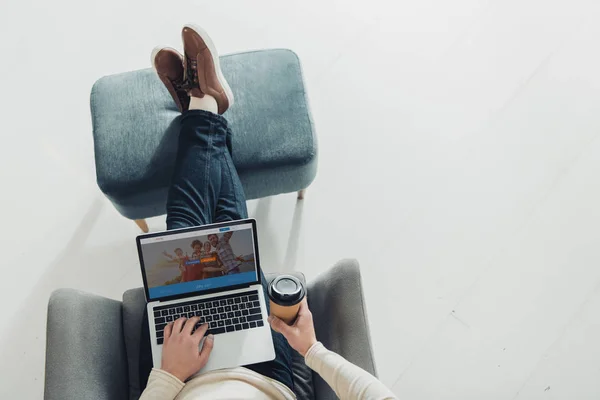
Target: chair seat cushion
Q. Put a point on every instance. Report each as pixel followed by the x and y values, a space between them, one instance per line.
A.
pixel 135 127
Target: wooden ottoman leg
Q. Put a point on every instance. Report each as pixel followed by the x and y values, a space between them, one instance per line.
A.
pixel 142 224
pixel 301 194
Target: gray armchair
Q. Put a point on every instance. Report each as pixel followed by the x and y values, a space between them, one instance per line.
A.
pixel 93 346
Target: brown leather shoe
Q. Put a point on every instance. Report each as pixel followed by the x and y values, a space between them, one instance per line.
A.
pixel 202 70
pixel 168 64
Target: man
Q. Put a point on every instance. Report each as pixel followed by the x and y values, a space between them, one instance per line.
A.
pixel 225 252
pixel 206 188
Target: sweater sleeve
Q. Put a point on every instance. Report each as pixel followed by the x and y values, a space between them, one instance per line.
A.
pixel 161 386
pixel 346 379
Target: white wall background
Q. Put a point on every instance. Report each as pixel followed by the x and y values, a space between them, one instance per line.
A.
pixel 459 162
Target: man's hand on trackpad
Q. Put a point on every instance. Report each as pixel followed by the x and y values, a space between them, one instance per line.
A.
pixel 180 355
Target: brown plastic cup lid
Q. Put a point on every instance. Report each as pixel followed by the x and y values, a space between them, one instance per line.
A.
pixel 286 290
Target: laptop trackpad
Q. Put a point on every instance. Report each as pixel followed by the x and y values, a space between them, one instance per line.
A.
pixel 241 348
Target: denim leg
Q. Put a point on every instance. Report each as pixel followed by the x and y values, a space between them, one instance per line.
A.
pixel 231 204
pixel 205 189
pixel 198 174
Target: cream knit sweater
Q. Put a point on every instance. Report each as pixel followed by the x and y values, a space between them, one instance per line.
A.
pixel 346 379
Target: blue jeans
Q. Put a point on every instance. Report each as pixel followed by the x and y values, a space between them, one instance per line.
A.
pixel 205 189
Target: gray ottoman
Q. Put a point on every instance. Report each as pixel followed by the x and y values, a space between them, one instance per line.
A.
pixel 135 126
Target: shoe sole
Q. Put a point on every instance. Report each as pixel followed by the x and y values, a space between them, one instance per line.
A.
pixel 215 55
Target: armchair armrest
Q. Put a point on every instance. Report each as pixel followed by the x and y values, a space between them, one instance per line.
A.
pixel 85 351
pixel 337 303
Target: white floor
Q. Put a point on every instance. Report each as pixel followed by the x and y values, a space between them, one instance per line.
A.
pixel 459 162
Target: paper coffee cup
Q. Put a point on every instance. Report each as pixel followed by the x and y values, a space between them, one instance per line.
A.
pixel 285 295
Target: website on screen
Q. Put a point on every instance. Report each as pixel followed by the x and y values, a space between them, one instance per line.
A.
pixel 201 260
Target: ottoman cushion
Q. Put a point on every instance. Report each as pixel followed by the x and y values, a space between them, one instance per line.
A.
pixel 135 126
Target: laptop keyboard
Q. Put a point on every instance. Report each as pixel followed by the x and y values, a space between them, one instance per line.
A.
pixel 229 313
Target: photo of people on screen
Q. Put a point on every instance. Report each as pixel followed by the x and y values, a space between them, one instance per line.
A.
pixel 199 258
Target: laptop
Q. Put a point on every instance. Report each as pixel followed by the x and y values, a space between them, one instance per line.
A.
pixel 212 272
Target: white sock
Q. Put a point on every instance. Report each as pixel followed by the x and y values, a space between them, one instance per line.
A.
pixel 206 103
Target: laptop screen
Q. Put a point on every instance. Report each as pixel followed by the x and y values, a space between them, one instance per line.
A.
pixel 179 262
